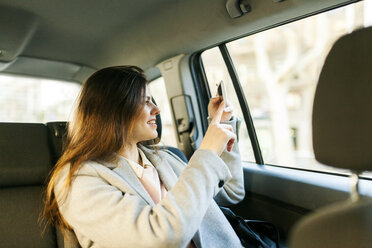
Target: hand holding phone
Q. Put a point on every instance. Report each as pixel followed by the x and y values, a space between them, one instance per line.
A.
pixel 221 91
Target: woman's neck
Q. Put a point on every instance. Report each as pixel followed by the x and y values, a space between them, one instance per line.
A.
pixel 130 151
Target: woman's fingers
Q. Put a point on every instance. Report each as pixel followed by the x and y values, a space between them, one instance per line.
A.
pixel 218 136
pixel 230 144
pixel 217 116
pixel 215 103
pixel 228 127
pixel 232 136
pixel 213 106
pixel 228 108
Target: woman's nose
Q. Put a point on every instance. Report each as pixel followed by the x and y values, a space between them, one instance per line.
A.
pixel 155 110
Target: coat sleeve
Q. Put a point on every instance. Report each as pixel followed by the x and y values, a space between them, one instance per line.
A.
pixel 113 218
pixel 233 191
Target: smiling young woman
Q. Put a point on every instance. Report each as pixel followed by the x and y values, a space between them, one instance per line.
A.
pixel 111 190
pixel 104 118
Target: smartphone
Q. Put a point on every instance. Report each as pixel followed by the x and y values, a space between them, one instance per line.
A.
pixel 222 91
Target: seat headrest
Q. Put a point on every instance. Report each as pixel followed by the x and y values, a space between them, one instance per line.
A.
pixel 342 113
pixel 24 154
pixel 57 133
pixel 158 126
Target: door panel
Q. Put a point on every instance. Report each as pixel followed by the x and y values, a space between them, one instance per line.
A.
pixel 284 195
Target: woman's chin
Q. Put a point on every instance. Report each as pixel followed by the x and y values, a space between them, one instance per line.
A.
pixel 154 136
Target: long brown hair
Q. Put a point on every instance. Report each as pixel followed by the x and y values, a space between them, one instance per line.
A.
pixel 108 104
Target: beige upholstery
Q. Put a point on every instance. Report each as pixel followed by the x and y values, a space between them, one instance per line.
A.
pixel 342 137
pixel 25 162
pixel 343 224
pixel 27 153
pixel 342 114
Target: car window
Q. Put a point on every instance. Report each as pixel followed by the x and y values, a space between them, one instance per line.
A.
pixel 216 71
pixel 26 99
pixel 278 70
pixel 159 93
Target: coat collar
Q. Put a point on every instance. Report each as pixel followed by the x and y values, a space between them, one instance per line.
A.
pixel 167 176
pixel 165 171
pixel 124 170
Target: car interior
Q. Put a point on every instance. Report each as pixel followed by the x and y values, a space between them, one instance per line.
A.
pixel 306 153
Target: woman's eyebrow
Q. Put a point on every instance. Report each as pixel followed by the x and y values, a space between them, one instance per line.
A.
pixel 148 98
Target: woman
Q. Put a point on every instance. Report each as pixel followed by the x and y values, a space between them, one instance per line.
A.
pixel 112 191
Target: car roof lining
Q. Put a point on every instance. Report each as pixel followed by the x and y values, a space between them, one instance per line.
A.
pixel 143 33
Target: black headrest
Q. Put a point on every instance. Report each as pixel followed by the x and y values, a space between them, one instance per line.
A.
pixel 342 114
pixel 159 126
pixel 24 154
pixel 57 133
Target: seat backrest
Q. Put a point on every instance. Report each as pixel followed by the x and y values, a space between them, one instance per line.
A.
pixel 25 161
pixel 342 137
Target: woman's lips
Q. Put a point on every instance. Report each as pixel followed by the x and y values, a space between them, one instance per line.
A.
pixel 152 123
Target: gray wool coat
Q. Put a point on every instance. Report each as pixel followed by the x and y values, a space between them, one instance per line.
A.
pixel 107 206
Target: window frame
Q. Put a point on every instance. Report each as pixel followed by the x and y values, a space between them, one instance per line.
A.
pixel 201 83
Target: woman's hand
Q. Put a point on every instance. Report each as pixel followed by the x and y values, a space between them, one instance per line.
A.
pixel 218 135
pixel 213 105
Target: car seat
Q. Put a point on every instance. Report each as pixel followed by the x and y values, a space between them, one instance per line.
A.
pixel 342 138
pixel 25 161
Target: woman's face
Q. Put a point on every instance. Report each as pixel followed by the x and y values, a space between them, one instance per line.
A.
pixel 145 127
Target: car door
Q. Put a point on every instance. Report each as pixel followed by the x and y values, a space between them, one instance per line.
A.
pixel 271 77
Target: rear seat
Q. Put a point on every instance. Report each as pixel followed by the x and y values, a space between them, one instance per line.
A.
pixel 25 161
pixel 28 152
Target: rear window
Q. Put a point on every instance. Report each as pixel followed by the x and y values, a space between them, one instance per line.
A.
pixel 26 99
